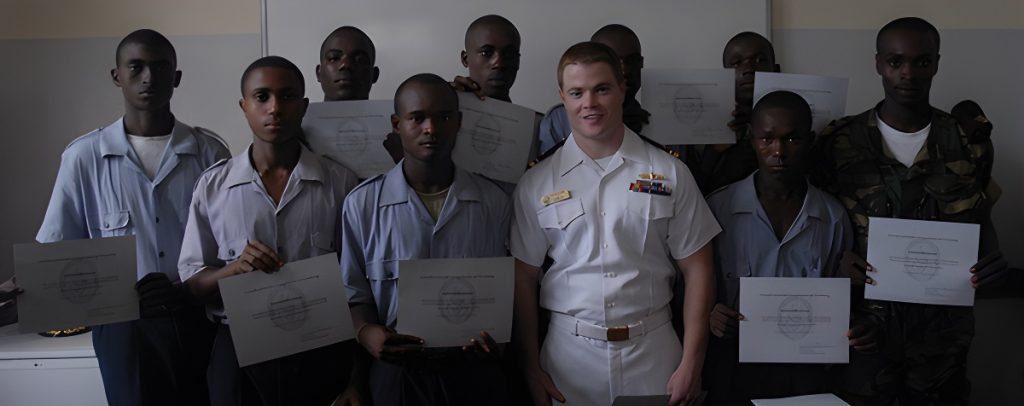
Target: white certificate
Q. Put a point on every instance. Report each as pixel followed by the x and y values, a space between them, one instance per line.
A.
pixel 795 320
pixel 824 399
pixel 446 302
pixel 921 261
pixel 352 133
pixel 825 95
pixel 301 307
pixel 496 137
pixel 76 283
pixel 689 106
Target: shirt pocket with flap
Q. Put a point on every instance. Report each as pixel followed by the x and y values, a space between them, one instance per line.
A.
pixel 115 223
pixel 565 225
pixel 647 218
pixel 231 250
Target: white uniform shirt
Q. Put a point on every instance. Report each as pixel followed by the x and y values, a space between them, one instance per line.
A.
pixel 230 206
pixel 613 248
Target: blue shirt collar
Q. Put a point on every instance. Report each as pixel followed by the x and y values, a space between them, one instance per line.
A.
pixel 240 170
pixel 396 190
pixel 114 141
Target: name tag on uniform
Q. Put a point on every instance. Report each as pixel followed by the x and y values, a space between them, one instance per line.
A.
pixel 555 197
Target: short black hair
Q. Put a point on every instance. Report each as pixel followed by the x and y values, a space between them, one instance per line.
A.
pixel 492 19
pixel 354 30
pixel 749 35
pixel 615 29
pixel 428 79
pixel 787 100
pixel 149 38
pixel 273 62
pixel 913 24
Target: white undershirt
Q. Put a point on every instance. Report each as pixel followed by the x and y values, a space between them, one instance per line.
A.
pixel 150 151
pixel 603 162
pixel 904 146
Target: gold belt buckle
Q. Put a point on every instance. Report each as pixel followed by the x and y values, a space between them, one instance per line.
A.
pixel 618 333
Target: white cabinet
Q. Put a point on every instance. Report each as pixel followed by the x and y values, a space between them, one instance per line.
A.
pixel 36 370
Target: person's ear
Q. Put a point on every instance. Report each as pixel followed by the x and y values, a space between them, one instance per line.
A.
pixel 177 78
pixel 317 72
pixel 465 59
pixel 376 74
pixel 114 77
pixel 879 64
pixel 394 123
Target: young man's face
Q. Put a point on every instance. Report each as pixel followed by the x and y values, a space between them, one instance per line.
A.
pixel 593 99
pixel 781 144
pixel 427 122
pixel 147 76
pixel 746 56
pixel 273 104
pixel 628 50
pixel 346 70
pixel 907 61
pixel 492 56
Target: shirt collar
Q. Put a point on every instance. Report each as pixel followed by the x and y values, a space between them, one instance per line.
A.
pixel 240 170
pixel 114 141
pixel 632 149
pixel 745 200
pixel 396 190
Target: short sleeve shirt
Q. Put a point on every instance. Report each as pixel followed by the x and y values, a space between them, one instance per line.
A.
pixel 384 222
pixel 612 247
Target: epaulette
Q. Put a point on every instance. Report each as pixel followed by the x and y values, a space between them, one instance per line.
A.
pixel 217 164
pixel 367 182
pixel 546 154
pixel 82 137
pixel 209 133
pixel 668 150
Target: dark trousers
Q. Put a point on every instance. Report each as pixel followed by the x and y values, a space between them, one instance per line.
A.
pixel 155 361
pixel 731 383
pixel 453 382
pixel 314 377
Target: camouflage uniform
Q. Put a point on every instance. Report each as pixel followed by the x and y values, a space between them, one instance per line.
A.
pixel 923 360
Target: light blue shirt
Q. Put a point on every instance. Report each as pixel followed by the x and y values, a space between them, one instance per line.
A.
pixel 384 221
pixel 554 128
pixel 748 246
pixel 230 207
pixel 102 191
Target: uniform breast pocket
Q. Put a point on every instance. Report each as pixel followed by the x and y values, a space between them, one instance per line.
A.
pixel 732 283
pixel 323 243
pixel 564 224
pixel 115 223
pixel 231 250
pixel 647 219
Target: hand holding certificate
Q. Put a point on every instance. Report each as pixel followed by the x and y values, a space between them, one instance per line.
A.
pixel 301 307
pixel 76 283
pixel 352 133
pixel 826 96
pixel 689 106
pixel 922 261
pixel 794 320
pixel 447 302
pixel 495 139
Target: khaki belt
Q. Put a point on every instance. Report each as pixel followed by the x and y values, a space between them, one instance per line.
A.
pixel 615 333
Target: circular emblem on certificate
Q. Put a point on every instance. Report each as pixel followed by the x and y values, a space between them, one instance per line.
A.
pixel 921 260
pixel 486 135
pixel 457 300
pixel 352 137
pixel 795 317
pixel 286 307
pixel 79 281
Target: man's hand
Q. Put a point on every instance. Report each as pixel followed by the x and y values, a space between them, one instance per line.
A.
pixel 542 388
pixel 863 337
pixel 684 386
pixel 256 257
pixel 990 270
pixel 854 267
pixel 485 345
pixel 387 345
pixel 158 297
pixel 724 321
pixel 740 117
pixel 464 84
